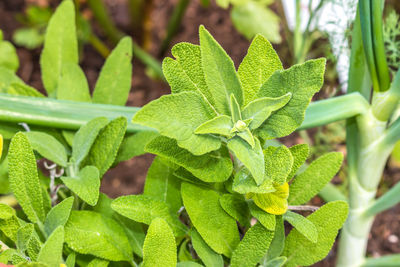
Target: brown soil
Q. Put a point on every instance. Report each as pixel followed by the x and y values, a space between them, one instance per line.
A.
pixel 129 176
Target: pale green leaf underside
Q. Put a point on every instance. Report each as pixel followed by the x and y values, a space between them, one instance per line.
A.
pixel 48 147
pixel 252 158
pixel 58 215
pixel 303 225
pixel 24 180
pixel 257 66
pixel 209 257
pixel 60 45
pixel 177 116
pixel 219 125
pixel 220 73
pixel 89 232
pixel 300 251
pixel 159 247
pixel 145 209
pixel 52 250
pixel 85 185
pixel 253 246
pixel 114 82
pixel 236 207
pixel 308 183
pixel 215 166
pixel 215 226
pixel 303 81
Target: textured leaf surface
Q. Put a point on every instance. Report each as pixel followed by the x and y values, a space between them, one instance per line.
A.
pixel 72 84
pixel 278 242
pixel 215 166
pixel 159 246
pixel 300 153
pixel 23 89
pixel 275 202
pixel 28 241
pixel 308 183
pixel 260 109
pixel 163 185
pixel 8 56
pixel 253 246
pixel 9 223
pixel 145 209
pixel 24 178
pixel 60 45
pixel 216 227
pixel 303 81
pixel 186 72
pixel 85 137
pixel 86 184
pixel 220 73
pixel 277 262
pixel 114 82
pixel 47 146
pixel 278 163
pixel 219 125
pixel 300 251
pixel 252 158
pixel 52 250
pixel 236 207
pixel 89 232
pixel 257 66
pixel 105 147
pixel 208 256
pixel 58 215
pixel 177 116
pixel 304 226
pixel 133 145
pixel 244 183
pixel 266 219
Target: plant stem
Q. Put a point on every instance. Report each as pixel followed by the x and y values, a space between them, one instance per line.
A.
pixel 303 208
pixel 99 45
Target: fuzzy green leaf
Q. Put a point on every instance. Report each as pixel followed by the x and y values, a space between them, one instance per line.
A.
pixel 105 148
pixel 235 109
pixel 85 137
pixel 7 77
pixel 133 145
pixel 219 125
pixel 276 262
pixel 253 246
pixel 244 183
pixel 145 209
pixel 28 241
pixel 260 109
pixel 300 251
pixel 253 159
pixel 220 73
pixel 304 226
pixel 177 116
pixel 278 242
pixel 23 90
pixel 215 166
pixel 72 84
pixel 188 264
pixel 89 232
pixel 48 147
pixel 217 228
pixel 98 263
pixel 58 215
pixel 60 45
pixel 266 219
pixel 257 66
pixel 300 154
pixel 308 183
pixel 24 180
pixel 208 256
pixel 159 247
pixel 278 163
pixel 163 185
pixel 9 223
pixel 114 82
pixel 86 184
pixel 303 81
pixel 8 56
pixel 247 136
pixel 52 250
pixel 236 207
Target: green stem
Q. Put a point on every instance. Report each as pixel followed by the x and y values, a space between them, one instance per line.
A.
pixel 174 23
pixel 148 60
pixel 334 109
pixel 99 45
pixel 297 41
pixel 60 114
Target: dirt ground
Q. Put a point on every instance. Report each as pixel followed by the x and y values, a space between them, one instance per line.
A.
pixel 129 176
